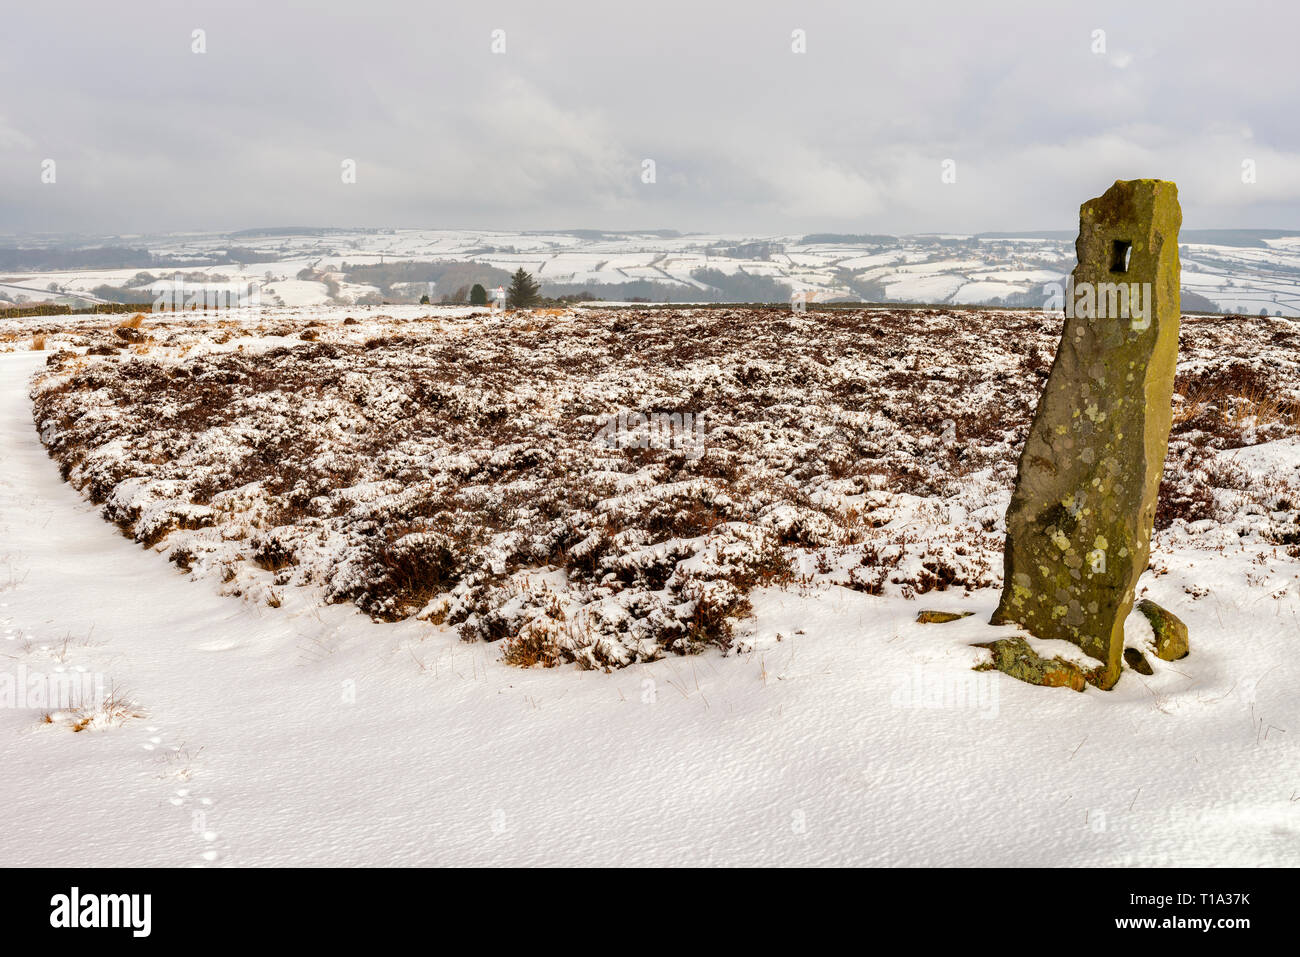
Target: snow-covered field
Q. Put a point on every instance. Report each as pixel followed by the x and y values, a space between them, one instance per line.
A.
pixel 956 270
pixel 372 525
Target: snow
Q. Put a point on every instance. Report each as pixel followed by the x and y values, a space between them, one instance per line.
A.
pixel 297 292
pixel 1239 278
pixel 839 732
pixel 924 288
pixel 985 291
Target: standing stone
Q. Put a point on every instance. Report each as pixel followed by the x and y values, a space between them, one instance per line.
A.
pixel 1079 524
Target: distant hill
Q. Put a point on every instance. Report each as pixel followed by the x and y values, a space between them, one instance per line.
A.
pixel 1194 302
pixel 1234 237
pixel 851 239
pixel 1224 270
pixel 599 234
pixel 1215 237
pixel 290 231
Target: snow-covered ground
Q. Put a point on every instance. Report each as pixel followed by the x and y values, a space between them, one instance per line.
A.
pixel 838 731
pixel 923 268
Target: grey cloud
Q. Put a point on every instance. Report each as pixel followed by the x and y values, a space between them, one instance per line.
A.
pixel 746 135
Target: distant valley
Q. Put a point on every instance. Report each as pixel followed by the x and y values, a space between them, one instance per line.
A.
pixel 1235 271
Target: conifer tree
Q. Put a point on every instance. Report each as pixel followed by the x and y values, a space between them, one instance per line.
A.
pixel 523 291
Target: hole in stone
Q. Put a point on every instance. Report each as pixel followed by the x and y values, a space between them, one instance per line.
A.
pixel 1120 251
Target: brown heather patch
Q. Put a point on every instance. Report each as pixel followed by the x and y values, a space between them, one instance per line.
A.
pixel 423 467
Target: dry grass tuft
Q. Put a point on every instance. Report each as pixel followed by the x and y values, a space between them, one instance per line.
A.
pixel 112 711
pixel 1234 405
pixel 535 647
pixel 1237 410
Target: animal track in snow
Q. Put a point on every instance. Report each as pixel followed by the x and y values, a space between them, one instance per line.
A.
pixel 200 807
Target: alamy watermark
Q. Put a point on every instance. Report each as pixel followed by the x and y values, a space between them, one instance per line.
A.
pixel 677 431
pixel 1102 300
pixel 177 295
pixel 125 911
pixel 60 691
pixel 942 690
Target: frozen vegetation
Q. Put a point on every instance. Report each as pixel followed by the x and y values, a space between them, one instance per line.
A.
pixel 350 538
pixel 607 486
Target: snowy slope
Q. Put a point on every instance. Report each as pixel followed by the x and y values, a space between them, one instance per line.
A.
pixel 858 737
pixel 920 268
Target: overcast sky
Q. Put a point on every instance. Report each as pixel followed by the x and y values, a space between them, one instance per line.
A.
pixel 746 135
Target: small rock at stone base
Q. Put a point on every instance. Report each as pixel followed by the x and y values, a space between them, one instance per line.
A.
pixel 1137 661
pixel 1169 630
pixel 939 617
pixel 1014 656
